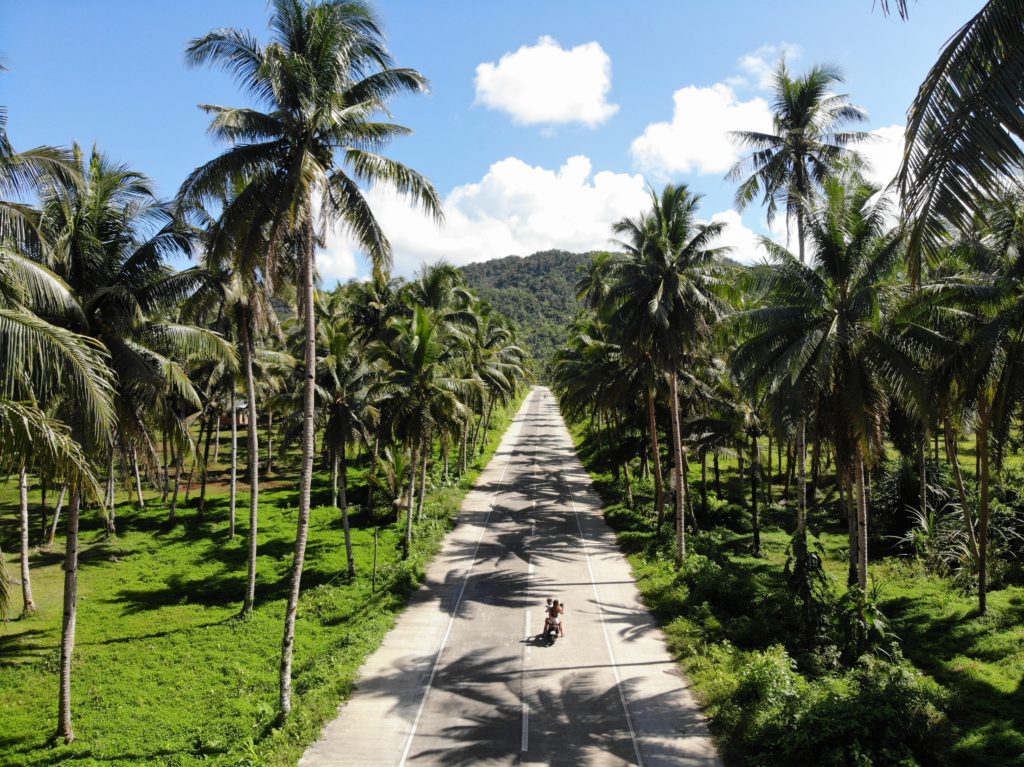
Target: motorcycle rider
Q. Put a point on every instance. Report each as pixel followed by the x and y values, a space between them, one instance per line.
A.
pixel 553 616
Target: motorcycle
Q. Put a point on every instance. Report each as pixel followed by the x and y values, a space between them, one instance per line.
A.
pixel 551 628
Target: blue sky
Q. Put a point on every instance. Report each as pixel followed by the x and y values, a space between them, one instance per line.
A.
pixel 544 119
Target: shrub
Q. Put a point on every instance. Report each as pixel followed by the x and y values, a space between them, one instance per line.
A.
pixel 881 712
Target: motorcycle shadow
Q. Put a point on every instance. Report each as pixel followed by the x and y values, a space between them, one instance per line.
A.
pixel 538 640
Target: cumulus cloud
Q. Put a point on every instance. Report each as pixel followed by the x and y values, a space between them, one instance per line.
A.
pixel 883 153
pixel 758 66
pixel 547 84
pixel 515 209
pixel 697 138
pixel 744 243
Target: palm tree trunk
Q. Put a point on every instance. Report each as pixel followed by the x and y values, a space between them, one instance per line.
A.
pixel 306 477
pixel 371 480
pixel 233 491
pixel 790 470
pixel 755 473
pixel 179 465
pixel 26 575
pixel 741 469
pixel 43 515
pixel 768 484
pixel 463 448
pixel 922 471
pixel 862 518
pixel 56 515
pixel 425 456
pixel 487 424
pixel 270 441
pixel 139 497
pixel 659 487
pixel 981 439
pixel 343 500
pixel 847 474
pixel 109 520
pixel 815 467
pixel 216 441
pixel 950 440
pixel 67 639
pixel 629 485
pixel 334 477
pixel 718 475
pixel 206 464
pixel 409 508
pixel 704 485
pixel 476 434
pixel 677 449
pixel 165 456
pixel 252 454
pixel 801 475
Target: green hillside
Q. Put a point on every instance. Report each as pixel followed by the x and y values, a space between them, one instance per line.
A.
pixel 536 291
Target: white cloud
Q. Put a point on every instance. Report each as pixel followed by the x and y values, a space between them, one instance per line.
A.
pixel 759 66
pixel 883 153
pixel 515 209
pixel 547 84
pixel 745 244
pixel 698 137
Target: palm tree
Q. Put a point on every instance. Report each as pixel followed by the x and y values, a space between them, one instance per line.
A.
pixel 237 287
pixel 822 335
pixel 110 236
pixel 346 381
pixel 322 79
pixel 989 366
pixel 667 298
pixel 965 127
pixel 594 377
pixel 426 386
pixel 45 363
pixel 807 146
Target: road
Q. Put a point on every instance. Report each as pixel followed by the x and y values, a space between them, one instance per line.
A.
pixel 460 681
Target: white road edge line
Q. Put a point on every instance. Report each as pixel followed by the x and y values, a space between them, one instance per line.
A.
pixel 604 627
pixel 458 601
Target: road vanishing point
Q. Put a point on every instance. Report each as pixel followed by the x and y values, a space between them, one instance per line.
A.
pixel 460 680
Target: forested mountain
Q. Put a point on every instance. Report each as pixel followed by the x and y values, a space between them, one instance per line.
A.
pixel 536 291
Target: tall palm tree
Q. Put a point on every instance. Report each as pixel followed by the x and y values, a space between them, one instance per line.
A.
pixel 110 236
pixel 236 286
pixel 965 127
pixel 319 83
pixel 667 298
pixel 822 334
pixel 989 366
pixel 808 145
pixel 346 382
pixel 426 385
pixel 45 363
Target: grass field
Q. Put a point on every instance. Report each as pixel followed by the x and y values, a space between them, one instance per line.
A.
pixel 165 673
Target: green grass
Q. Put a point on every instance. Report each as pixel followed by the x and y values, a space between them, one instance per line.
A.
pixel 165 673
pixel 728 618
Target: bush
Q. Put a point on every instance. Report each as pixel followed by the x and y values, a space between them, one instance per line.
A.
pixel 882 712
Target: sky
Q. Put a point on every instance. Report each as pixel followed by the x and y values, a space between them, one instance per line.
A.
pixel 545 122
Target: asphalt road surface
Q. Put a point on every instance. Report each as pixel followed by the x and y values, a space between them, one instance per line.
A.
pixel 461 680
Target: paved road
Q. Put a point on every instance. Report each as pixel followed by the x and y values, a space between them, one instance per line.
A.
pixel 460 681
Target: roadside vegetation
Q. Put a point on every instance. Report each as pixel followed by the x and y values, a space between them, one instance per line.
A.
pixel 223 481
pixel 166 669
pixel 143 410
pixel 814 460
